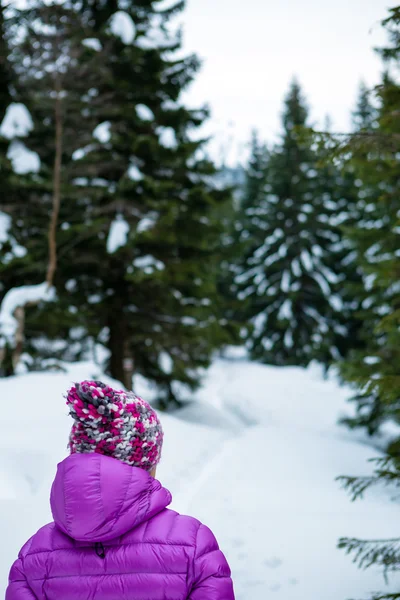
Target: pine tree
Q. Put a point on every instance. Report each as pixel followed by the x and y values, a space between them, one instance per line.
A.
pixel 365 114
pixel 255 182
pixel 293 271
pixel 139 242
pixel 373 370
pixel 246 232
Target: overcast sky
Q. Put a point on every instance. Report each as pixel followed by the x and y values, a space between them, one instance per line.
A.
pixel 252 49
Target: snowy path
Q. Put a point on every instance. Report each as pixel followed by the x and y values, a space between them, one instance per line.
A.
pixel 278 513
pixel 255 458
pixel 270 494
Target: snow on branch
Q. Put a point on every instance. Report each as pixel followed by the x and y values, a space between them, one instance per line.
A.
pixel 118 234
pixel 16 297
pixel 17 121
pixel 122 26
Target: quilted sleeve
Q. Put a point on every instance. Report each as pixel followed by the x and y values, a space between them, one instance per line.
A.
pixel 212 575
pixel 18 588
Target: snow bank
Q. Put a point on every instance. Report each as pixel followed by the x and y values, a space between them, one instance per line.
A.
pixel 118 235
pixel 255 456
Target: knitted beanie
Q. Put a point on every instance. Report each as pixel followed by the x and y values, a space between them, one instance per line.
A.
pixel 114 423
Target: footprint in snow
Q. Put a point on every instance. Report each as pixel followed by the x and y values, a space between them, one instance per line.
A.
pixel 275 588
pixel 273 563
pixel 293 581
pixel 255 583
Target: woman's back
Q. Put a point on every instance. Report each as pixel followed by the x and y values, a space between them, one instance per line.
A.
pixel 113 537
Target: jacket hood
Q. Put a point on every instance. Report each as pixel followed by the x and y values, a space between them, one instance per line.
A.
pixel 96 498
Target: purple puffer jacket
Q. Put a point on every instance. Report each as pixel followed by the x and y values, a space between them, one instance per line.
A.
pixel 114 539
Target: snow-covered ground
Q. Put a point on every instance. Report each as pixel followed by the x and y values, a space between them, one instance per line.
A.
pixel 255 457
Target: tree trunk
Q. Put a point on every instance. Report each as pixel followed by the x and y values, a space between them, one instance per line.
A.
pixel 121 360
pixel 52 265
pixel 19 315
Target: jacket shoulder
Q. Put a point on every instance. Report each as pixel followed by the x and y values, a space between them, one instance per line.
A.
pixel 167 527
pixel 46 539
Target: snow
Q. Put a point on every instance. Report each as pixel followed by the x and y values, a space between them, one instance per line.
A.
pixel 22 159
pixel 144 112
pixel 155 36
pixel 71 285
pixel 296 269
pixel 323 284
pixel 372 360
pixel 5 224
pixel 255 457
pixel 17 121
pixel 165 5
pixel 21 296
pixel 122 26
pixel 288 339
pixel 169 104
pixel 259 323
pixel 285 311
pixel 146 223
pixel 102 132
pixel 306 260
pixel 93 44
pixel 148 263
pixel 285 283
pixel 134 173
pixel 118 234
pixel 167 137
pixel 81 152
pixel 16 249
pixel 166 363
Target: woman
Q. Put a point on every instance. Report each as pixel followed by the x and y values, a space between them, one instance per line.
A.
pixel 113 537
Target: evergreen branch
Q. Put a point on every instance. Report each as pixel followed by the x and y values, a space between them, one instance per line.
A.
pixel 387 474
pixel 384 553
pixel 380 596
pixel 357 134
pixel 356 486
pixel 394 596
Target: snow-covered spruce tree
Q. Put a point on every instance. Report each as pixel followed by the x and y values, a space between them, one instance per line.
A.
pixel 140 235
pixel 292 275
pixel 247 235
pixel 373 371
pixel 365 113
